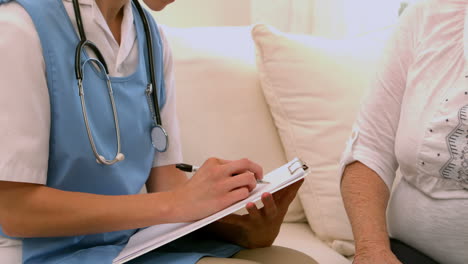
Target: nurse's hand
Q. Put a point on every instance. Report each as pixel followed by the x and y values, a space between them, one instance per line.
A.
pixel 260 227
pixel 216 185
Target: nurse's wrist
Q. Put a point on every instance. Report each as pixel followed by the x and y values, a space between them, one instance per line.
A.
pixel 164 209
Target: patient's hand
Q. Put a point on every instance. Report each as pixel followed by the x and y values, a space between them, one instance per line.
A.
pixel 375 255
pixel 259 227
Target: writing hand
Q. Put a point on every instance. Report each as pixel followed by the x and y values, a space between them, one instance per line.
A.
pixel 214 187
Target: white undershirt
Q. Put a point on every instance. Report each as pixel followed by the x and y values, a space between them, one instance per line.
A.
pixel 407 121
pixel 24 100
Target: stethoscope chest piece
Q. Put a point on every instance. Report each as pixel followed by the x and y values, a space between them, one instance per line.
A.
pixel 159 138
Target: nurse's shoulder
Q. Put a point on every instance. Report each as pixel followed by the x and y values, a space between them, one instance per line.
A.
pixel 24 100
pixel 16 22
pixel 18 32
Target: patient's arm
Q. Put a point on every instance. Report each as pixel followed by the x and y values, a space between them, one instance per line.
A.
pixel 365 197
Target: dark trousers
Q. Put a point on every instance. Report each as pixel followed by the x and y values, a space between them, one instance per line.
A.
pixel 409 255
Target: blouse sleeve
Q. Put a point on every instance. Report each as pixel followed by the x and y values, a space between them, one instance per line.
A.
pixel 373 137
pixel 24 99
pixel 169 118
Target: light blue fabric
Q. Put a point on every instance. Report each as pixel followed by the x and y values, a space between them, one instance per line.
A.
pixel 72 165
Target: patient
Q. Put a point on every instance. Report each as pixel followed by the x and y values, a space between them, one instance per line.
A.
pixel 415 119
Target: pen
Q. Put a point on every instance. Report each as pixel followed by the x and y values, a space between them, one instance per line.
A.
pixel 191 168
pixel 186 167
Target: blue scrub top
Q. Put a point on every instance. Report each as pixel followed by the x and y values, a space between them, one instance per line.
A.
pixel 72 165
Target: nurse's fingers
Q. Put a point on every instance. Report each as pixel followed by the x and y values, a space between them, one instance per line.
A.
pixel 269 206
pixel 253 211
pixel 223 161
pixel 236 196
pixel 246 179
pixel 285 196
pixel 213 161
pixel 243 165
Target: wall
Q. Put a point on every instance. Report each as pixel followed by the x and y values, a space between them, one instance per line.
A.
pixel 199 13
pixel 329 18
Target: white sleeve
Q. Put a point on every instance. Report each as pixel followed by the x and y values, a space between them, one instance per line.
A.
pixel 169 118
pixel 24 100
pixel 373 138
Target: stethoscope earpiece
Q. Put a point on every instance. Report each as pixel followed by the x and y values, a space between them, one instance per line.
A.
pixel 120 157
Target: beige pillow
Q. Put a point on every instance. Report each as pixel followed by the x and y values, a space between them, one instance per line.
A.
pixel 313 87
pixel 220 104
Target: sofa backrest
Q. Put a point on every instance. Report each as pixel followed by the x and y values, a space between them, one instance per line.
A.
pixel 221 108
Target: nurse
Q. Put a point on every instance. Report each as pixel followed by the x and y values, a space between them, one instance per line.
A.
pixel 77 146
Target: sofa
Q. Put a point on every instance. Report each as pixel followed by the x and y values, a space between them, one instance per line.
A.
pixel 253 92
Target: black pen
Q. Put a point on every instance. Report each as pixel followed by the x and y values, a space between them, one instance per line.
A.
pixel 187 167
pixel 191 168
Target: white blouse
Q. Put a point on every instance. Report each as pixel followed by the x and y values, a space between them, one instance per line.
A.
pixel 415 118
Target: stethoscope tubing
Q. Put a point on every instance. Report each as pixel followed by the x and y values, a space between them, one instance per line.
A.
pixel 158 134
pixel 149 48
pixel 79 49
pixel 99 158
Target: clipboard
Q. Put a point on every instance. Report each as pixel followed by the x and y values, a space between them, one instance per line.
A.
pixel 156 236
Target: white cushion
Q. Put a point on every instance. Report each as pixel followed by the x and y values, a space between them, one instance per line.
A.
pixel 221 107
pixel 299 236
pixel 313 87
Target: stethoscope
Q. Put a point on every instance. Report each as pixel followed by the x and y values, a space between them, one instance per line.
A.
pixel 159 136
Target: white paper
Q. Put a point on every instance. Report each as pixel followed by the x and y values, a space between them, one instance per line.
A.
pixel 156 236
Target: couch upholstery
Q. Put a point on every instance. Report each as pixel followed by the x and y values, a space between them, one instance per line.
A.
pixel 223 112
